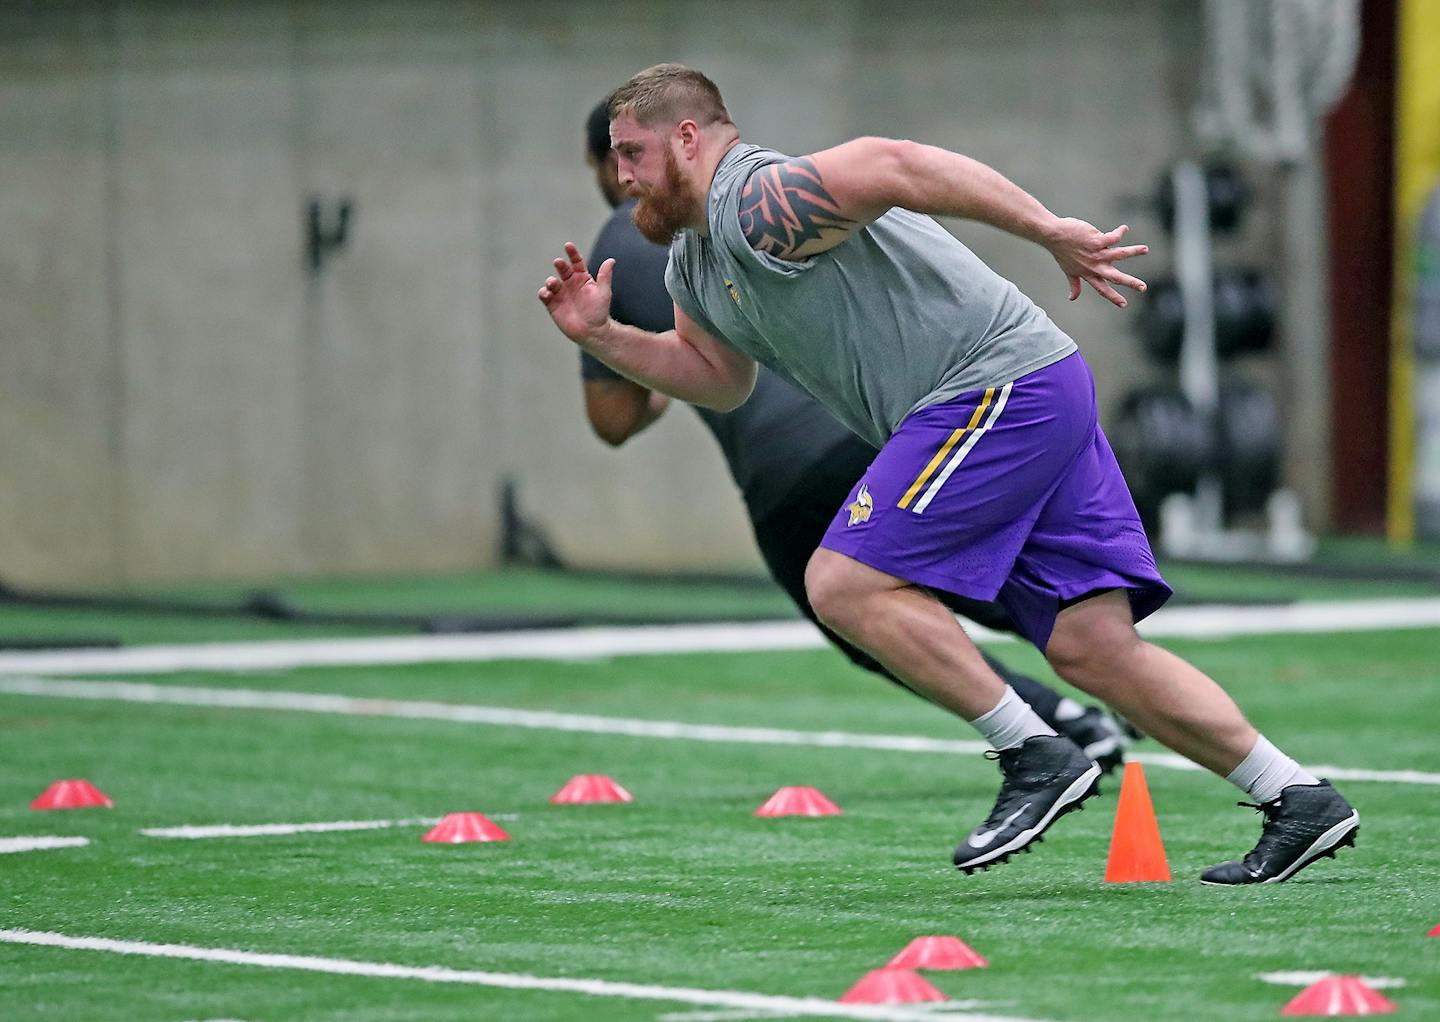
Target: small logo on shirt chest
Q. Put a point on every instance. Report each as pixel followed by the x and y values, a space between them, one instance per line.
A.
pixel 734 291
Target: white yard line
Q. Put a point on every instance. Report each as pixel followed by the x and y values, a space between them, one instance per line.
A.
pixel 1304 979
pixel 222 830
pixel 192 832
pixel 38 844
pixel 812 1007
pixel 1216 622
pixel 543 720
pixel 546 644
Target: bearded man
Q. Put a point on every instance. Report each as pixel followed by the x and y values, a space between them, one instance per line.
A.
pixel 993 481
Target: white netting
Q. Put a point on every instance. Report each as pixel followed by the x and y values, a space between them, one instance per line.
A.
pixel 1272 68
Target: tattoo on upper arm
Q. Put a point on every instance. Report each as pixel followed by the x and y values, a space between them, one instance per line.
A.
pixel 786 206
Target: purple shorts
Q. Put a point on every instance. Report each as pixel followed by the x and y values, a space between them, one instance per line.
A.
pixel 1008 494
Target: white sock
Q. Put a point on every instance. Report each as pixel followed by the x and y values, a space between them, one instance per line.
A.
pixel 1267 771
pixel 1010 722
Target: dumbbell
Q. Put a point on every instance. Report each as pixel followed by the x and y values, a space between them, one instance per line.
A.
pixel 1244 302
pixel 1249 444
pixel 1227 196
pixel 1162 445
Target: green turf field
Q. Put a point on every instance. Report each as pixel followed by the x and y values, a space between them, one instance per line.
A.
pixel 684 887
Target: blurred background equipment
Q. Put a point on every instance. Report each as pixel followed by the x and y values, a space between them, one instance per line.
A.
pixel 1273 71
pixel 1213 448
pixel 1227 193
pixel 1244 302
pixel 1249 440
pixel 1163 445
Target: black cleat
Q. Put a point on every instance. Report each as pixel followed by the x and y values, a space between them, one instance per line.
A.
pixel 1045 778
pixel 1307 822
pixel 1099 735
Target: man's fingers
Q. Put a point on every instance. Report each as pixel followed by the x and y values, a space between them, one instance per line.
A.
pixel 606 271
pixel 1124 279
pixel 1114 236
pixel 1074 287
pixel 1107 292
pixel 1126 252
pixel 577 261
pixel 562 267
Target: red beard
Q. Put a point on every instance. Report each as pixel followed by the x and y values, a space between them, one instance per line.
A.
pixel 662 212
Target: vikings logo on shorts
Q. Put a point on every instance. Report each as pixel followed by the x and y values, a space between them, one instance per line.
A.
pixel 861 508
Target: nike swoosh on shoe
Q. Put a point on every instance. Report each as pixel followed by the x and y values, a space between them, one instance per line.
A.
pixel 984 840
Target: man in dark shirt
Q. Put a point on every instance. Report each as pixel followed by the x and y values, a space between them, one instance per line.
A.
pixel 794 463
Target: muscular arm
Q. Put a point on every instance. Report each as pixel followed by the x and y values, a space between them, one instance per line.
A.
pixel 620 408
pixel 686 363
pixel 801 207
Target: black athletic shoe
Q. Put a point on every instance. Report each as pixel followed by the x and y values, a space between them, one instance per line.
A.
pixel 1045 778
pixel 1099 736
pixel 1307 822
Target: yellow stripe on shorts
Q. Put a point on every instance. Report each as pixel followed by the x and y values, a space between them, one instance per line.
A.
pixel 945 449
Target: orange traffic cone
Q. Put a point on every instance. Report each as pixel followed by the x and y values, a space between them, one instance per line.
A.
pixel 1136 853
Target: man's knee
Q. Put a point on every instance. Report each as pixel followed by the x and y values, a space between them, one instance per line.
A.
pixel 830 586
pixel 1088 651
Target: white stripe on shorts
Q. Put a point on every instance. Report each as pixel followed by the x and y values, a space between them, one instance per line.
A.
pixel 959 456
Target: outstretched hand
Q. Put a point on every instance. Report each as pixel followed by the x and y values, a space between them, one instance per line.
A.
pixel 1084 253
pixel 577 302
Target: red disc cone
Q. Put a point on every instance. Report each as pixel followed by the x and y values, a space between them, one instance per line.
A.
pixel 1339 995
pixel 1435 932
pixel 1136 853
pixel 798 802
pixel 891 986
pixel 459 828
pixel 585 788
pixel 71 794
pixel 937 953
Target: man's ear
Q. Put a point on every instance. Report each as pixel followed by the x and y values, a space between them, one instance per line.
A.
pixel 689 135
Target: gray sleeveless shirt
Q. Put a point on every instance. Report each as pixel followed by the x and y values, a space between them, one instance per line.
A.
pixel 897 317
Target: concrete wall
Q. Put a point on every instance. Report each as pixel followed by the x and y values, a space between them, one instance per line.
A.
pixel 179 397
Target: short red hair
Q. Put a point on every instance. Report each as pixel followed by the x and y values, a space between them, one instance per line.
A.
pixel 667 94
